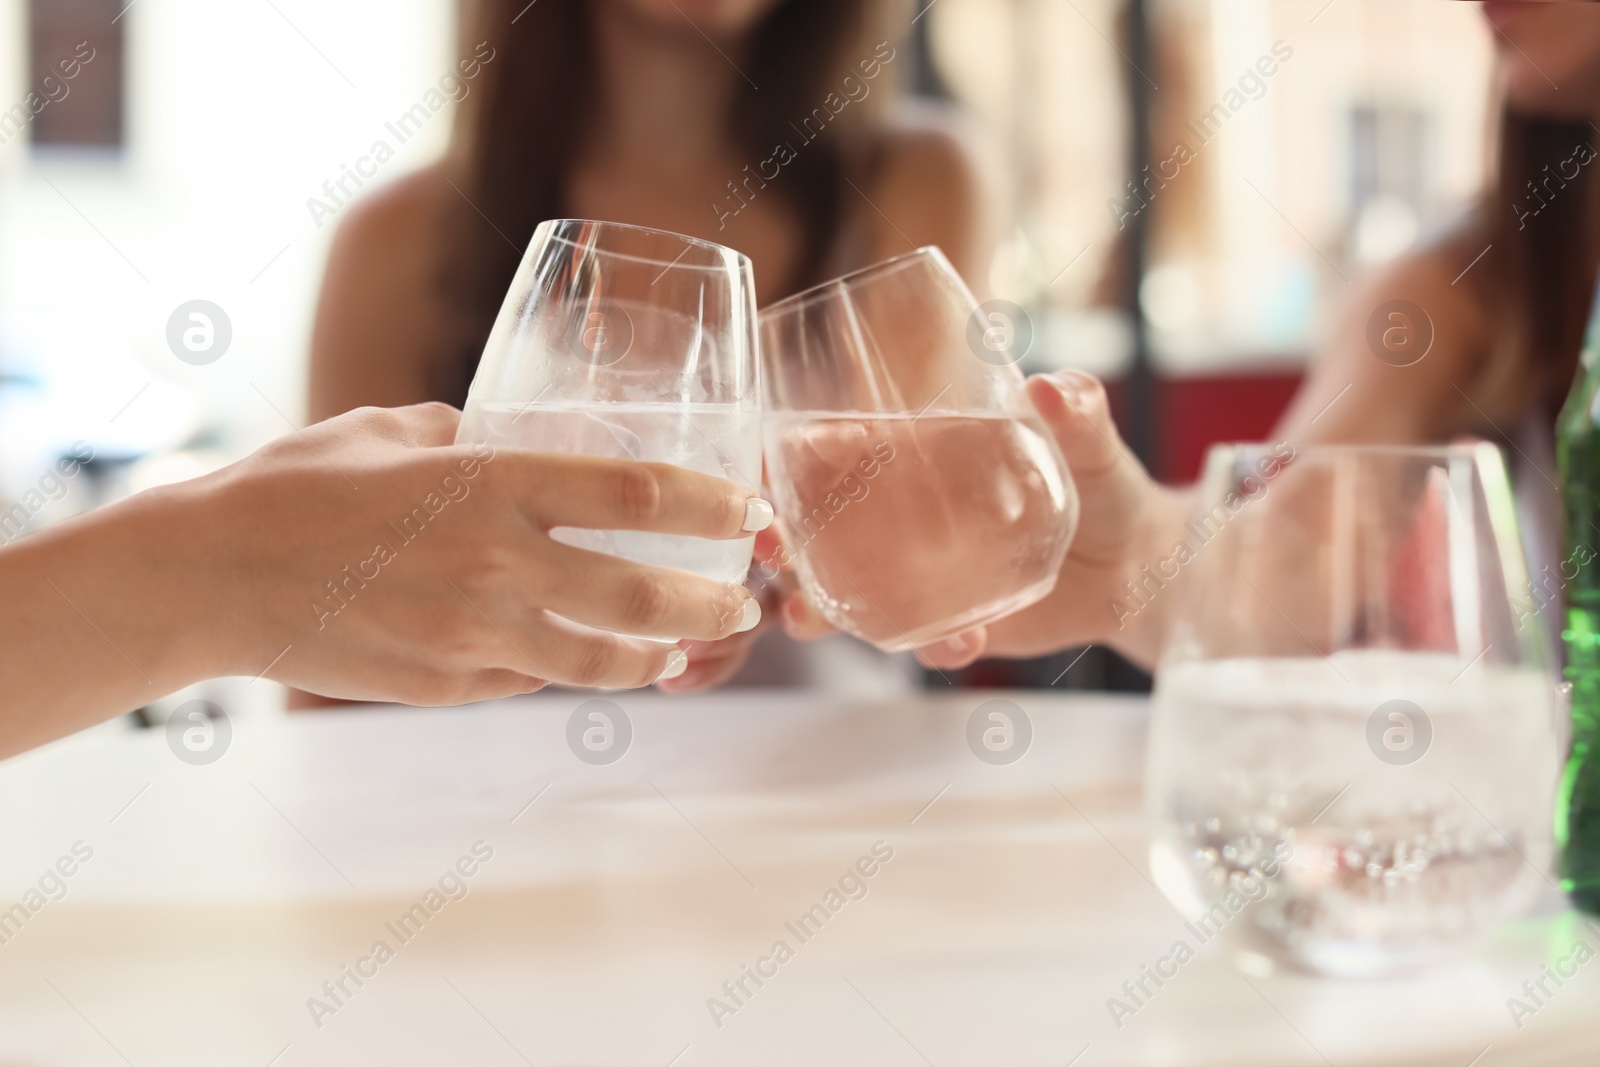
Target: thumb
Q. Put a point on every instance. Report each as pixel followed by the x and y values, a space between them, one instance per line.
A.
pixel 1075 407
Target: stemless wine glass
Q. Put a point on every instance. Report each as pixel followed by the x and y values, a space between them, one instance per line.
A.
pixel 918 494
pixel 631 343
pixel 1352 753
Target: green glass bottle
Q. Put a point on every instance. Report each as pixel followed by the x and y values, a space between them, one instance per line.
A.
pixel 1578 452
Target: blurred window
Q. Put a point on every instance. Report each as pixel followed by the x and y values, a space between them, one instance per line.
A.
pixel 75 67
pixel 1315 138
pixel 1388 158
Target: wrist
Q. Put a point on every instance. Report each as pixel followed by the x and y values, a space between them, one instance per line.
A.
pixel 198 578
pixel 109 611
pixel 155 580
pixel 97 623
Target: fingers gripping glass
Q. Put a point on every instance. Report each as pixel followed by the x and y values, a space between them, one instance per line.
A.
pixel 630 343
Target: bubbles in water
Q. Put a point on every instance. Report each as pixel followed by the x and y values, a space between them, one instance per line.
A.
pixel 1368 865
pixel 1412 879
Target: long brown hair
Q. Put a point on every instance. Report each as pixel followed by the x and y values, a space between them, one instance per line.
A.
pixel 519 131
pixel 1542 228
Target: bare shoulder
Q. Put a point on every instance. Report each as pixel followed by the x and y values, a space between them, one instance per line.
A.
pixel 930 147
pixel 929 185
pixel 370 342
pixel 1402 351
pixel 1437 272
pixel 393 228
pixel 1428 290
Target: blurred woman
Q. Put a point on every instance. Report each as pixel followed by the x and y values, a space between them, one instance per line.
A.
pixel 760 124
pixel 1507 291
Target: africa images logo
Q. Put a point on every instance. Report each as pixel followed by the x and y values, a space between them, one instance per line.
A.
pixel 599 732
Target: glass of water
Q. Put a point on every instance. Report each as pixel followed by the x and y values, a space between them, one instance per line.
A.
pixel 1353 747
pixel 631 343
pixel 918 494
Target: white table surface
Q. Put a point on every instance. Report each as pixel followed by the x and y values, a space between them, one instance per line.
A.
pixel 220 898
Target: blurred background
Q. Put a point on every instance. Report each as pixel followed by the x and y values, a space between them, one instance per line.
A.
pixel 177 165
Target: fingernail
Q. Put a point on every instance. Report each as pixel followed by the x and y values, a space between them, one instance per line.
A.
pixel 751 617
pixel 677 663
pixel 757 515
pixel 956 644
pixel 1073 385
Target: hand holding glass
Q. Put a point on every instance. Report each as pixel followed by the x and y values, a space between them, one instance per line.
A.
pixel 629 343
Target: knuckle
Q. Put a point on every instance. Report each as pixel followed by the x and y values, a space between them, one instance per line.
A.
pixel 649 601
pixel 465 645
pixel 458 635
pixel 496 563
pixel 595 663
pixel 437 409
pixel 433 422
pixel 638 493
pixel 416 424
pixel 730 512
pixel 381 421
pixel 457 643
pixel 473 585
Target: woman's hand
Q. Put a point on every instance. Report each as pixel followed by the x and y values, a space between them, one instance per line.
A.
pixel 370 558
pixel 433 579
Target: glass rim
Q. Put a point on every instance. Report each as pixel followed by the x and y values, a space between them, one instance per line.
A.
pixel 721 251
pixel 814 293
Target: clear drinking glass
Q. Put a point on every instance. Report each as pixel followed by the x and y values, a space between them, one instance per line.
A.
pixel 632 343
pixel 1352 752
pixel 917 492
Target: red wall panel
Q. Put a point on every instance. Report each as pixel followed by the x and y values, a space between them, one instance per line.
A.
pixel 1191 414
